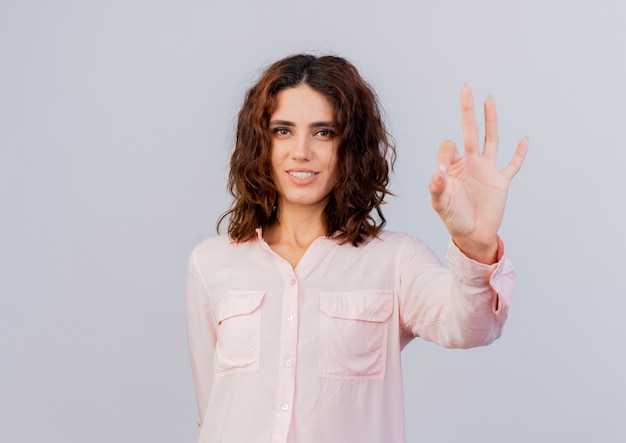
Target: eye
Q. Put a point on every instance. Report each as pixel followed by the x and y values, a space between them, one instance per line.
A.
pixel 325 133
pixel 280 131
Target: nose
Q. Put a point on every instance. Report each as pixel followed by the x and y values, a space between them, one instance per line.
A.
pixel 301 148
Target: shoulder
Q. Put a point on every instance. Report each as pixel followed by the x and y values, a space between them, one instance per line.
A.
pixel 395 240
pixel 386 244
pixel 211 244
pixel 218 249
pixel 403 246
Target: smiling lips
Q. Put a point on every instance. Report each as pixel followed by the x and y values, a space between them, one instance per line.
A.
pixel 301 174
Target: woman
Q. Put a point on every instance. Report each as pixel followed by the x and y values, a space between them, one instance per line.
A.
pixel 297 317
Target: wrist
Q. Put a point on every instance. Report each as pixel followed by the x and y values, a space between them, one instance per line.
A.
pixel 480 252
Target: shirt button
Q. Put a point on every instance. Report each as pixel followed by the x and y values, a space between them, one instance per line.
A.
pixel 292 281
pixel 284 406
pixel 288 363
pixel 290 317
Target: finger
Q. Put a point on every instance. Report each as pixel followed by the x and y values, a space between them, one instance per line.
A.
pixel 518 159
pixel 437 188
pixel 491 129
pixel 468 119
pixel 448 153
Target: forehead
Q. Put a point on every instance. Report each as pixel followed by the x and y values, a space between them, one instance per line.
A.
pixel 302 103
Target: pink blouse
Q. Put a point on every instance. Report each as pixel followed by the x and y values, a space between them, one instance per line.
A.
pixel 312 354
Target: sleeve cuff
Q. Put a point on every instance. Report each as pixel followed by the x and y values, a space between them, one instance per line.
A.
pixel 500 276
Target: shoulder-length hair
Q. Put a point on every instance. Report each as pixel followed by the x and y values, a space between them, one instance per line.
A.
pixel 366 153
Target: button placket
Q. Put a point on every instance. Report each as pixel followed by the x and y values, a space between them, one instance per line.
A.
pixel 287 352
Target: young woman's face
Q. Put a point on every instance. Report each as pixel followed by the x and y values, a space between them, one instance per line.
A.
pixel 304 148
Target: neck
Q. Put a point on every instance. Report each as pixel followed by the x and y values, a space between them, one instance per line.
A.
pixel 296 226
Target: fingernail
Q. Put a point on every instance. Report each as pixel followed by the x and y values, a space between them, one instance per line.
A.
pixel 444 170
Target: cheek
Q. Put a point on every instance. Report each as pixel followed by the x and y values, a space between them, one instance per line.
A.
pixel 274 159
pixel 333 167
pixel 274 164
pixel 279 151
pixel 333 163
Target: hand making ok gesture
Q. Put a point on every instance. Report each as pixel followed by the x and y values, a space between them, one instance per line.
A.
pixel 469 192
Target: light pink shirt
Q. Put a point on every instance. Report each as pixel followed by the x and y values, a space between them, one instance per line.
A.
pixel 312 354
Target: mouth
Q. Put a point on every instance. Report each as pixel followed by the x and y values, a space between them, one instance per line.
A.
pixel 301 174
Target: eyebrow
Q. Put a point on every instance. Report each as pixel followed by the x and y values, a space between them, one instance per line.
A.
pixel 312 125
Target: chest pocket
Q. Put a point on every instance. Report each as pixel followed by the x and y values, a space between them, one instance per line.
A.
pixel 353 334
pixel 238 346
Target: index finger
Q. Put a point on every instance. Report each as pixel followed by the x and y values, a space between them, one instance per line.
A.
pixel 468 119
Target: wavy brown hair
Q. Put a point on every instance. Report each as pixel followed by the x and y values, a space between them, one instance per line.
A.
pixel 366 153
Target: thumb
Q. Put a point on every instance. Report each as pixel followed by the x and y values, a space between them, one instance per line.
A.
pixel 437 187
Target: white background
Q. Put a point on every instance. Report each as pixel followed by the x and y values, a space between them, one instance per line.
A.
pixel 116 123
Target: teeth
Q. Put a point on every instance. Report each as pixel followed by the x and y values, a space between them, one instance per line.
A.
pixel 301 174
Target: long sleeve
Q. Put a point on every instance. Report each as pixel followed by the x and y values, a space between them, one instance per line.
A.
pixel 462 307
pixel 201 335
pixel 313 354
